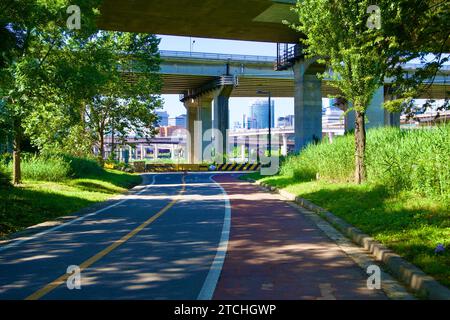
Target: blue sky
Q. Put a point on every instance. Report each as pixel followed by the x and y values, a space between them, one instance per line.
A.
pixel 238 106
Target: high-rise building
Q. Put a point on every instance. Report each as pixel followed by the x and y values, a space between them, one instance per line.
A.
pixel 179 121
pixel 286 121
pixel 259 114
pixel 237 125
pixel 249 122
pixel 163 118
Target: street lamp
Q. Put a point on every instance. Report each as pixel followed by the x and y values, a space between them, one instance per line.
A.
pixel 269 147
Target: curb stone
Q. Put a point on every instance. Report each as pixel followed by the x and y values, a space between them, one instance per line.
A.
pixel 415 279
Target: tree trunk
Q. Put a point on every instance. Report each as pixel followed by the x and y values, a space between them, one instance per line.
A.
pixel 102 149
pixel 112 142
pixel 17 173
pixel 360 147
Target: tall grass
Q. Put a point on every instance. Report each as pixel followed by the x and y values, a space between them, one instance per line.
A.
pixel 44 168
pixel 417 160
pixel 53 167
pixel 82 167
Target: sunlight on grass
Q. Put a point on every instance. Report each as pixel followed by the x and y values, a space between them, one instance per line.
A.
pixel 409 224
pixel 37 201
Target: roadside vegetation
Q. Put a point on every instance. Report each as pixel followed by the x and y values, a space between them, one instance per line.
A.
pixel 405 203
pixel 55 186
pixel 62 91
pixel 367 49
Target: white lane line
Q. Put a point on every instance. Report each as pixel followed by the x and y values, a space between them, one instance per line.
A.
pixel 40 234
pixel 209 286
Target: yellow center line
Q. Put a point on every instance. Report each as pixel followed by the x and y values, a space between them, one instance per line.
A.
pixel 86 264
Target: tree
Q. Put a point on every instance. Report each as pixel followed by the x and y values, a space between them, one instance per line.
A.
pixel 96 88
pixel 124 115
pixel 34 30
pixel 362 53
pixel 421 30
pixel 125 68
pixel 51 76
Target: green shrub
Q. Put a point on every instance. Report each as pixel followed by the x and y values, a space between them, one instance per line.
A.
pixel 44 168
pixel 82 167
pixel 5 158
pixel 5 176
pixel 333 162
pixel 53 167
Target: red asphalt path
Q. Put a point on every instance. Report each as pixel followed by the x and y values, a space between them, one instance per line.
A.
pixel 275 252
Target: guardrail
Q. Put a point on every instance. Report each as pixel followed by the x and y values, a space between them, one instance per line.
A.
pixel 284 57
pixel 215 56
pixel 140 166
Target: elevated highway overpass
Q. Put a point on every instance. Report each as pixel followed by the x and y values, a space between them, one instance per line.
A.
pixel 199 78
pixel 207 83
pixel 186 73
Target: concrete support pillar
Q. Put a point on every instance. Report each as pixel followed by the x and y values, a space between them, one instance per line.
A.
pixel 375 110
pixel 390 119
pixel 205 116
pixel 376 115
pixel 199 120
pixel 142 152
pixel 172 151
pixel 243 150
pixel 284 148
pixel 307 105
pixel 221 121
pixel 330 137
pixel 155 152
pixel 192 116
pixel 350 121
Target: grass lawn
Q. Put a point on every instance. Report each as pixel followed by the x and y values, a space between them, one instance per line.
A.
pixel 37 201
pixel 410 225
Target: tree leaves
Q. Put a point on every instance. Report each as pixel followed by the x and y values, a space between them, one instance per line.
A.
pixel 51 75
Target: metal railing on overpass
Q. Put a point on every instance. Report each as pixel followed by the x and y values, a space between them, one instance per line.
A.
pixel 293 51
pixel 413 66
pixel 216 56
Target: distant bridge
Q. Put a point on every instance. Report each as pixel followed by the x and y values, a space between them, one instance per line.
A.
pixel 190 74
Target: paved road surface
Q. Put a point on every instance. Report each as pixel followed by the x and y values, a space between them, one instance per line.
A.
pixel 173 239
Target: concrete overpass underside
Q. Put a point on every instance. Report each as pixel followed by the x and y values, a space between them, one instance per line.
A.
pixel 206 81
pixel 252 20
pixel 247 86
pixel 279 87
